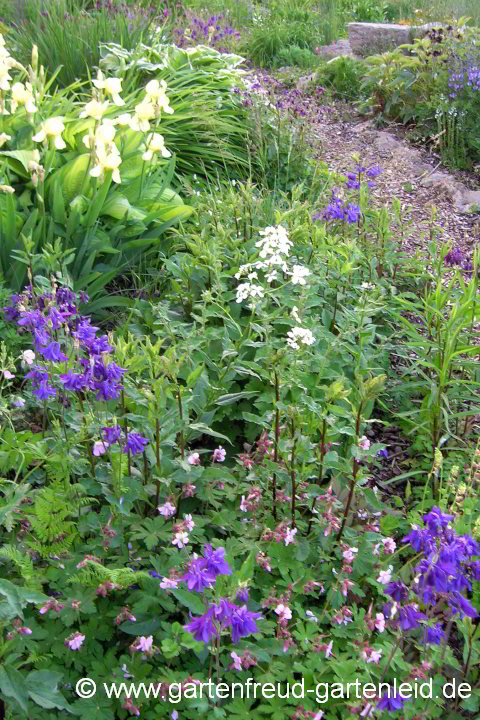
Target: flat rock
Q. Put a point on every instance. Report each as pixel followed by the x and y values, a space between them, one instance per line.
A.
pixel 339 48
pixel 372 38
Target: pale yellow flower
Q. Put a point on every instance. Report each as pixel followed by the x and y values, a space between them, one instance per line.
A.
pixel 22 95
pixel 94 109
pixel 124 119
pixel 156 93
pixel 155 144
pixel 144 112
pixel 52 128
pixel 107 158
pixel 3 138
pixel 7 189
pixel 111 86
pixel 103 134
pixel 4 77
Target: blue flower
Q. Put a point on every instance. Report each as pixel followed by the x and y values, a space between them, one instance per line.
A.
pixel 112 434
pixel 242 595
pixel 409 617
pixel 436 520
pixel 397 591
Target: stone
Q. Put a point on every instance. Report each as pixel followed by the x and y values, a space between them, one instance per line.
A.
pixel 372 38
pixel 469 201
pixel 386 143
pixel 339 48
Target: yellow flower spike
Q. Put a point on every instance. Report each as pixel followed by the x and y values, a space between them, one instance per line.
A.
pixel 52 128
pixel 94 109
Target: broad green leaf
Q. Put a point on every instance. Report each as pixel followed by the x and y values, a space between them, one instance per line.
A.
pixel 12 685
pixel 43 689
pixel 191 600
pixel 10 592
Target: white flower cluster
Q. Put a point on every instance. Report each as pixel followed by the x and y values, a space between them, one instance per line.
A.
pixel 274 249
pixel 249 290
pixel 299 336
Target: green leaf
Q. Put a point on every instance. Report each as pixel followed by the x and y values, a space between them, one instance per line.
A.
pixel 10 592
pixel 191 600
pixel 231 398
pixel 43 689
pixel 148 627
pixel 23 157
pixel 246 571
pixel 12 685
pixel 205 430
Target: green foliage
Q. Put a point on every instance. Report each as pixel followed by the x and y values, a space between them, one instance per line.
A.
pixel 208 129
pixel 295 56
pixel 342 77
pixel 283 26
pixel 69 37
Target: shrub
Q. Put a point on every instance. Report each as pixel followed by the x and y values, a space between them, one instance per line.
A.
pixel 343 77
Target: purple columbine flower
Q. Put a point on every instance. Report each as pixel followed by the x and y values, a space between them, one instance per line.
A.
pixel 53 353
pixel 74 381
pixel 202 628
pixel 409 617
pixel 397 590
pixel 242 595
pixel 215 559
pixel 199 576
pixel 454 257
pixel 112 434
pixel 436 520
pixel 44 391
pixel 243 622
pixel 433 635
pixel 135 443
pixel 391 702
pixel 107 390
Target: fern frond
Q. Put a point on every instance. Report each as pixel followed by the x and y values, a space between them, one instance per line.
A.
pixel 24 565
pixel 94 574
